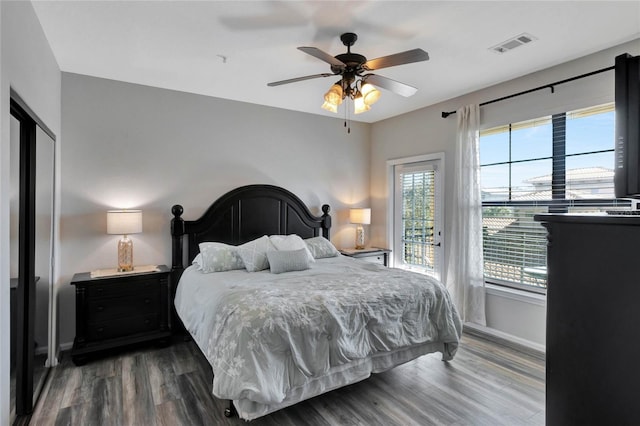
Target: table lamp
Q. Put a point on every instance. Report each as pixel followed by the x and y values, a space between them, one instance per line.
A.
pixel 360 217
pixel 124 222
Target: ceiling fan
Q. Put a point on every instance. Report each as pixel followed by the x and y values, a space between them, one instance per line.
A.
pixel 356 82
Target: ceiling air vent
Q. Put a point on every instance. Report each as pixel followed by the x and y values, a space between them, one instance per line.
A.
pixel 512 43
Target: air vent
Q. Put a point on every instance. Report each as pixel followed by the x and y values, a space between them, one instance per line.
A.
pixel 512 43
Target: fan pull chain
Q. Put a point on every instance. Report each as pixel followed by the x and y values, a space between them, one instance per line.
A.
pixel 346 118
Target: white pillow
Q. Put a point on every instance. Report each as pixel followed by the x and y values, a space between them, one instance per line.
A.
pixel 218 257
pixel 290 242
pixel 254 253
pixel 320 247
pixel 288 260
pixel 198 262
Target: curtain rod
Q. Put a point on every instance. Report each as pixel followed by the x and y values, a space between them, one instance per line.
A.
pixel 546 86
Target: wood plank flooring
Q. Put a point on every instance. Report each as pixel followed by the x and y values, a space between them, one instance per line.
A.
pixel 486 384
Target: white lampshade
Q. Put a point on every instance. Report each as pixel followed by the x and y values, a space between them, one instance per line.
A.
pixel 330 107
pixel 124 222
pixel 359 106
pixel 334 95
pixel 360 216
pixel 370 94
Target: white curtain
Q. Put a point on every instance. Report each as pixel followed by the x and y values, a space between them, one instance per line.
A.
pixel 464 274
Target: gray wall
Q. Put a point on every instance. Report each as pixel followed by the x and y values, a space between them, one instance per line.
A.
pixel 28 66
pixel 424 132
pixel 133 146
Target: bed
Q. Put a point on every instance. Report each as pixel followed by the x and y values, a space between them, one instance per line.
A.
pixel 274 339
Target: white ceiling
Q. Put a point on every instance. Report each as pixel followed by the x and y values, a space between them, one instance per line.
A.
pixel 232 49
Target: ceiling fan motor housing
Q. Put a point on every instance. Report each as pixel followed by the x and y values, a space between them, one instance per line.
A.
pixel 353 61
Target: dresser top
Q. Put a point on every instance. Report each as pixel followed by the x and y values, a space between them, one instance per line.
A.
pixel 593 219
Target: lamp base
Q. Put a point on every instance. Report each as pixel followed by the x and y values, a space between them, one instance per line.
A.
pixel 125 255
pixel 359 237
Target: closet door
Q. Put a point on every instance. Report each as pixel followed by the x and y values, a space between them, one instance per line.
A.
pixel 32 180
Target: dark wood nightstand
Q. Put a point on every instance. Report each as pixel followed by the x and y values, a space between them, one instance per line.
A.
pixel 370 254
pixel 118 310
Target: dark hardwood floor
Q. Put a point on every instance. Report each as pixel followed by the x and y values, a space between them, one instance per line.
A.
pixel 486 384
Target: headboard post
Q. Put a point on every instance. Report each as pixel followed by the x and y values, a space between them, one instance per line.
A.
pixel 326 220
pixel 177 240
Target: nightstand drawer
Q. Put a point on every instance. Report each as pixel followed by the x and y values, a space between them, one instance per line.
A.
pixel 122 327
pixel 379 259
pixel 120 289
pixel 100 309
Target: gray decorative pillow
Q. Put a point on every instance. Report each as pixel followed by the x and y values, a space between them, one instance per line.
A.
pixel 218 257
pixel 288 260
pixel 320 247
pixel 254 253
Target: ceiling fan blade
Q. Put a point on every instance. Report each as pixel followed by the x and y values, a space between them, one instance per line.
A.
pixel 323 56
pixel 293 80
pixel 392 85
pixel 415 55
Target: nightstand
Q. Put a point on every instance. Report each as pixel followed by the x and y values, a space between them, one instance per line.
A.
pixel 118 310
pixel 371 254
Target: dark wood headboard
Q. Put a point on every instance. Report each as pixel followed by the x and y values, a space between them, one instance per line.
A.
pixel 241 215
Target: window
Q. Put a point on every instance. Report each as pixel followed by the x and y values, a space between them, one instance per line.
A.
pixel 417 216
pixel 556 164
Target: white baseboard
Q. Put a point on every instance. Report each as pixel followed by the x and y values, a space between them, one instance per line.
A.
pixel 514 342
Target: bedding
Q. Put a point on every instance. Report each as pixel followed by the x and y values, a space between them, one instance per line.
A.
pixel 276 339
pixel 320 247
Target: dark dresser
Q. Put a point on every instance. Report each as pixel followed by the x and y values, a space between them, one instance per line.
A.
pixel 593 320
pixel 119 310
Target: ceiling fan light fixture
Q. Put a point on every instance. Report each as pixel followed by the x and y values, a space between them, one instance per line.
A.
pixel 359 106
pixel 330 107
pixel 370 94
pixel 334 95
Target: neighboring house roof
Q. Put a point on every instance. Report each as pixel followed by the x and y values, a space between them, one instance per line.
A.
pixel 546 195
pixel 581 174
pixel 494 225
